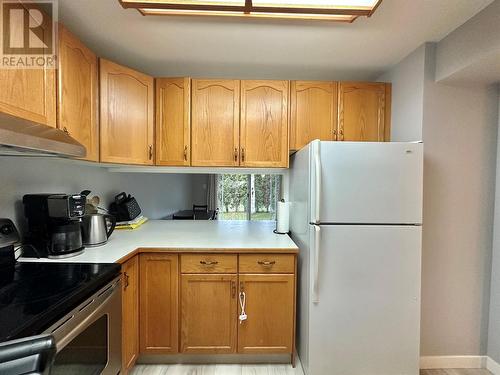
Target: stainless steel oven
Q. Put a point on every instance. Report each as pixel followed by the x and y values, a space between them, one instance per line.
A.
pixel 88 339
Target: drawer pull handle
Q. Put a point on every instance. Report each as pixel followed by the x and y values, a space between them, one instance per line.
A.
pixel 267 263
pixel 208 262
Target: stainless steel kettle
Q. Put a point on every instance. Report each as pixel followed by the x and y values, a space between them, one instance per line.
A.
pixel 96 229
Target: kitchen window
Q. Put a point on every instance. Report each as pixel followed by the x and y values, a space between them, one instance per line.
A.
pixel 248 196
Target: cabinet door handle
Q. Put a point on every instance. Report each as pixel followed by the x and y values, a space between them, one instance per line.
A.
pixel 185 153
pixel 65 129
pixel 341 133
pixel 243 154
pixel 233 289
pixel 150 152
pixel 208 262
pixel 126 276
pixel 335 134
pixel 267 263
pixel 236 154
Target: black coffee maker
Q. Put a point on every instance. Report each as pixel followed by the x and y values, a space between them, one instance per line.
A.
pixel 54 224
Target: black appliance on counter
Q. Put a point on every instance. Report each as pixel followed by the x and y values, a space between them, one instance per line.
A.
pixel 54 229
pixel 125 207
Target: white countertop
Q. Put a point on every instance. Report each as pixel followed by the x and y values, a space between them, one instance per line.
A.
pixel 183 234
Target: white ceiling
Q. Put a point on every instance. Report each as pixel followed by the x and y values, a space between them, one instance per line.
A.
pixel 243 48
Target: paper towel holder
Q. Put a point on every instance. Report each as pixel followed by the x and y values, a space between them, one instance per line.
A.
pixel 275 231
pixel 282 201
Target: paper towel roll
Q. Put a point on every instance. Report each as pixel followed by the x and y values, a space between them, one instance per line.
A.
pixel 283 217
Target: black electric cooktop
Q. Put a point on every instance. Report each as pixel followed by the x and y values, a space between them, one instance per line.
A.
pixel 35 295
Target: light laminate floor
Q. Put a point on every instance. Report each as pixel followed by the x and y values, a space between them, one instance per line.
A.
pixel 261 370
pixel 455 372
pixel 217 370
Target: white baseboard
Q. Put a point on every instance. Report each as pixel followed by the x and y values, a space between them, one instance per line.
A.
pixel 453 361
pixel 492 366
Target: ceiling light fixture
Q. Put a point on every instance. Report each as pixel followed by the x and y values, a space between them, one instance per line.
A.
pixel 329 10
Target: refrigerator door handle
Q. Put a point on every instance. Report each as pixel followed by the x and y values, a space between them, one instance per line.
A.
pixel 315 291
pixel 317 188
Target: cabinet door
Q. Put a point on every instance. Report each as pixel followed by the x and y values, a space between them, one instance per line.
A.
pixel 126 115
pixel 215 122
pixel 29 93
pixel 264 123
pixel 208 313
pixel 173 96
pixel 313 112
pixel 270 301
pixel 159 295
pixel 77 92
pixel 362 111
pixel 130 313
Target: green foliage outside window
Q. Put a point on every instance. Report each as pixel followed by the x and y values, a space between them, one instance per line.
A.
pixel 248 197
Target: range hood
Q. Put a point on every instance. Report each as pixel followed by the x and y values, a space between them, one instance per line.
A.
pixel 23 137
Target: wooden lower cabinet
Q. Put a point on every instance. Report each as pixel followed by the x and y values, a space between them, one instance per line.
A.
pixel 130 313
pixel 172 306
pixel 208 313
pixel 270 306
pixel 159 295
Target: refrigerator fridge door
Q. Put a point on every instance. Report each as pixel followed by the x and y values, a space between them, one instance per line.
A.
pixel 366 318
pixel 365 182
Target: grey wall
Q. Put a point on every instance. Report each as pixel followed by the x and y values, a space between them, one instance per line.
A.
pixel 199 188
pixel 158 194
pixel 460 130
pixel 471 45
pixel 494 318
pixel 407 79
pixel 459 127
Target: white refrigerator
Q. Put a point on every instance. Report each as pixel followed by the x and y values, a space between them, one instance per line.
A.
pixel 356 215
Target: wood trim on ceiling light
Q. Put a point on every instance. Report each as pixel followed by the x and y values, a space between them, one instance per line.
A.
pixel 214 8
pixel 303 16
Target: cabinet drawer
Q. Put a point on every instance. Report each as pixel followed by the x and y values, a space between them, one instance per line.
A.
pixel 267 263
pixel 209 263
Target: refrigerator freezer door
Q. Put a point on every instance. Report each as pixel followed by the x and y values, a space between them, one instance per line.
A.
pixel 368 183
pixel 367 320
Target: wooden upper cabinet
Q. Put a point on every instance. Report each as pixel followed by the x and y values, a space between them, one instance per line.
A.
pixel 208 313
pixel 77 92
pixel 126 115
pixel 264 123
pixel 159 303
pixel 215 122
pixel 270 309
pixel 29 93
pixel 363 111
pixel 313 112
pixel 130 313
pixel 173 132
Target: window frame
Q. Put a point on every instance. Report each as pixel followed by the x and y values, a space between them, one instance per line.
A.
pixel 248 206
